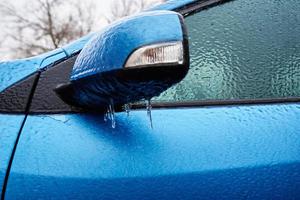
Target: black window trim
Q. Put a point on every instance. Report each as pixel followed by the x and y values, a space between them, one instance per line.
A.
pixel 198 5
pixel 221 102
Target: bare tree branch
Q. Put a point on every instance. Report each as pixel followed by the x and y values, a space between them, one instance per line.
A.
pixel 123 8
pixel 44 25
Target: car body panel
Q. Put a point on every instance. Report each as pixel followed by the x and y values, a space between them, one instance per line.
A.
pixel 14 71
pixel 253 149
pixel 9 129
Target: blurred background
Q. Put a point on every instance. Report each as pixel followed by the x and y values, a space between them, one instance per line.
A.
pixel 31 27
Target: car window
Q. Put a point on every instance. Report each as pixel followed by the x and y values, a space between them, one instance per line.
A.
pixel 242 50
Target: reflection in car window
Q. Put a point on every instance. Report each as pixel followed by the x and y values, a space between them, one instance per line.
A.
pixel 242 50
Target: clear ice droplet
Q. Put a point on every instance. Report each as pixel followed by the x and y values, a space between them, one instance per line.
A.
pixel 106 116
pixel 112 113
pixel 149 108
pixel 127 109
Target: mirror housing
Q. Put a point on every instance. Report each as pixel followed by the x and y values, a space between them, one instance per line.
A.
pixel 132 59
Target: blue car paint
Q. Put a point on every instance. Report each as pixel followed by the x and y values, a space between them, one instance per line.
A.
pixel 9 128
pixel 109 49
pixel 199 153
pixel 14 71
pixel 11 72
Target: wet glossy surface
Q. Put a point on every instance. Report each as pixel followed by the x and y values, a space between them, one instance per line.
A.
pixel 196 151
pixel 9 128
pixel 242 50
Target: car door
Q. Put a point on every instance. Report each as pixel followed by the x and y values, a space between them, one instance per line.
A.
pixel 229 130
pixel 10 124
pixel 17 80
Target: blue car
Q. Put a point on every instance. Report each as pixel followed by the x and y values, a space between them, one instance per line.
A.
pixel 187 100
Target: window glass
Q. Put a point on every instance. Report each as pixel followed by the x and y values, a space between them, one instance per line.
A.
pixel 242 50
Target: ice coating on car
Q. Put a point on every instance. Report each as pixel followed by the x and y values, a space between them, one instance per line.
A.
pixel 219 144
pixel 242 50
pixel 109 49
pixel 110 113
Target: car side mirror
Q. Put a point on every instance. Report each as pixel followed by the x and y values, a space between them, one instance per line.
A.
pixel 132 59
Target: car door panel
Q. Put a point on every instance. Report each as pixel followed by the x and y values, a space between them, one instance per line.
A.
pixel 9 128
pixel 206 153
pixel 17 82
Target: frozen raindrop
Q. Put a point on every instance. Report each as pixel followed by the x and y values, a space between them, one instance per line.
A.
pixel 112 113
pixel 127 109
pixel 106 115
pixel 149 108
